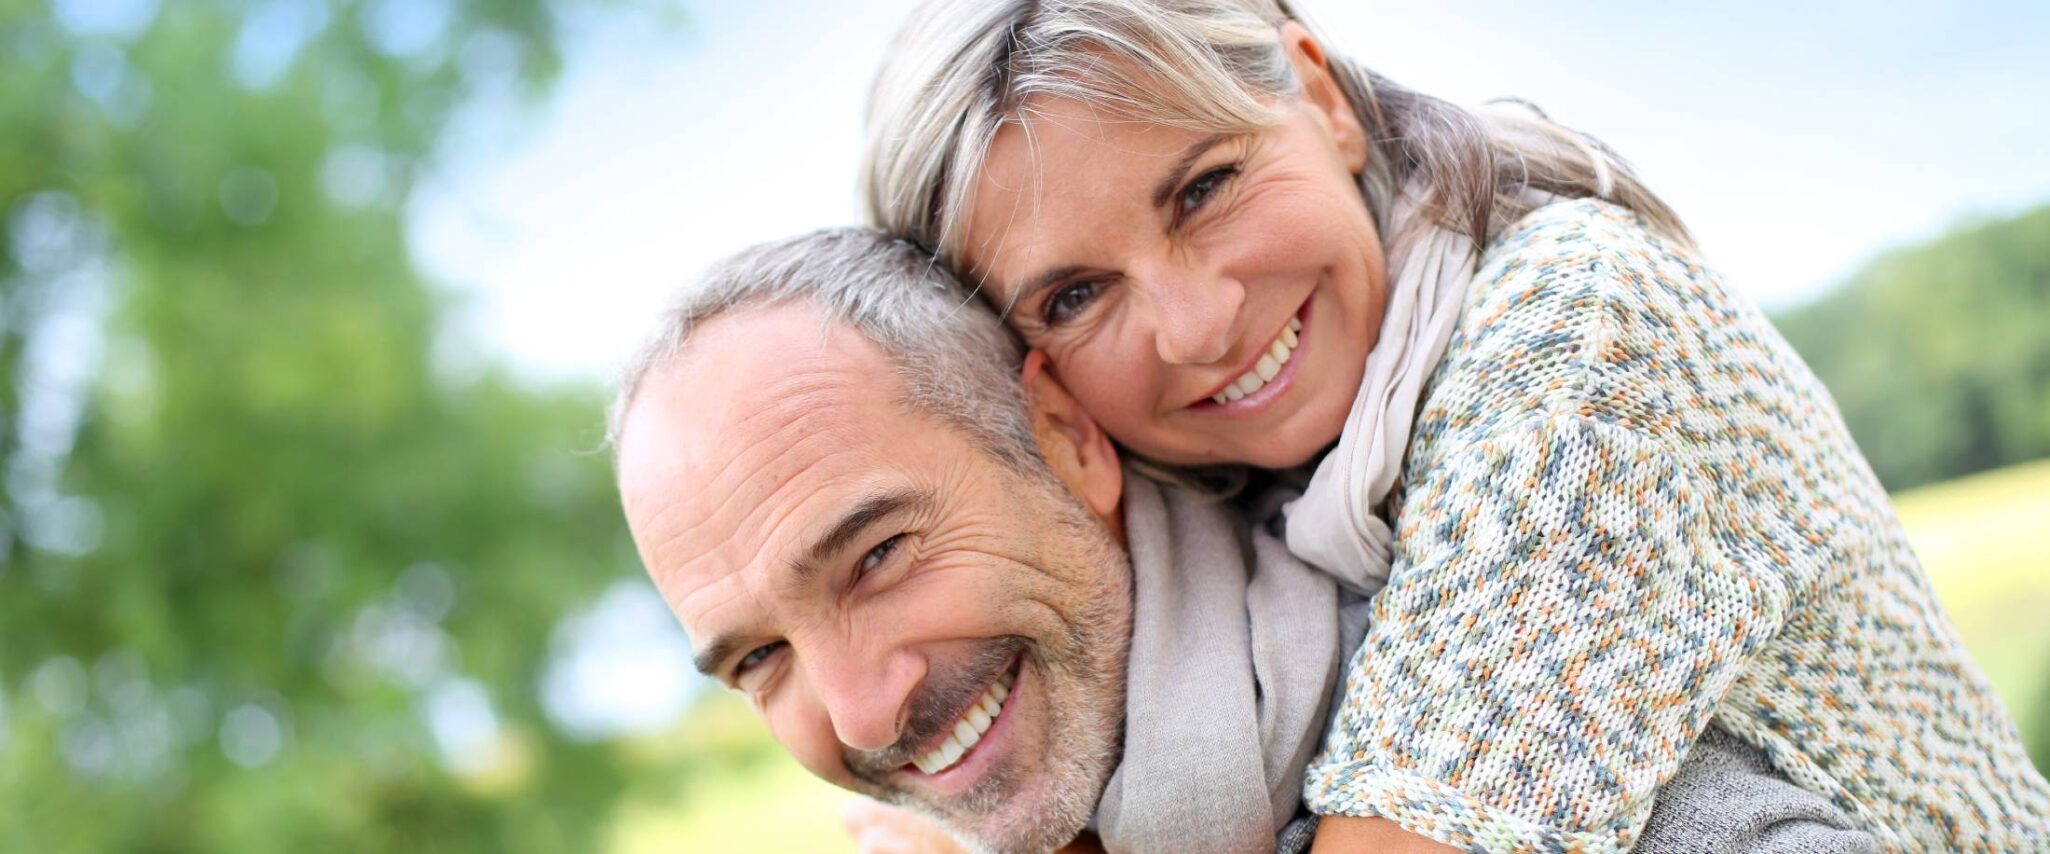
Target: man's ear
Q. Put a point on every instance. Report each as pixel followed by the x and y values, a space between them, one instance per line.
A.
pixel 1075 447
pixel 1320 93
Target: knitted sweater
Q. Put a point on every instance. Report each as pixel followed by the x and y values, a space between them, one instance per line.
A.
pixel 1627 510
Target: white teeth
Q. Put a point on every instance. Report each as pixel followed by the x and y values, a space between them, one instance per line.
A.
pixel 1267 368
pixel 968 730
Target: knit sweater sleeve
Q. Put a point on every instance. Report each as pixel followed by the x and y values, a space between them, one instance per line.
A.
pixel 1562 623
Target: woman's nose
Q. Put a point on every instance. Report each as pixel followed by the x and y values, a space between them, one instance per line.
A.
pixel 1195 316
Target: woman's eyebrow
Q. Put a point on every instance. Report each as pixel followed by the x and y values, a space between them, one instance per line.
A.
pixel 1041 282
pixel 1164 191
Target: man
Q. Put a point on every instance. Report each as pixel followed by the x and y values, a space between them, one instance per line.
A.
pixel 919 579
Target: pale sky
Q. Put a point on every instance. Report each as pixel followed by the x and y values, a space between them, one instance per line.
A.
pixel 1796 139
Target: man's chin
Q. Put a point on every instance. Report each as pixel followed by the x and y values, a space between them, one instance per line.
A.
pixel 1039 820
pixel 1013 809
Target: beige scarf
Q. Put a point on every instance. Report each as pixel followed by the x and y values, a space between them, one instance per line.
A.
pixel 1339 524
pixel 1235 654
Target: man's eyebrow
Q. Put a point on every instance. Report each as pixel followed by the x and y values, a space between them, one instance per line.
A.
pixel 873 508
pixel 718 650
pixel 1162 192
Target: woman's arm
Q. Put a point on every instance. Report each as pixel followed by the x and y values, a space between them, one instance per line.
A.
pixel 879 828
pixel 1592 547
pixel 1562 623
pixel 1341 834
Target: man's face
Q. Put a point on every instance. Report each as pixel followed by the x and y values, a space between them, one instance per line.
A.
pixel 915 620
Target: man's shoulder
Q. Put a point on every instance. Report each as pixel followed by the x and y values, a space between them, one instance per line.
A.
pixel 1727 796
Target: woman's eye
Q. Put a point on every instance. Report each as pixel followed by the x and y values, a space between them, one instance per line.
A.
pixel 1199 191
pixel 880 553
pixel 1068 302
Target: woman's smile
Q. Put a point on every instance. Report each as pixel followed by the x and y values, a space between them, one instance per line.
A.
pixel 1270 376
pixel 1174 278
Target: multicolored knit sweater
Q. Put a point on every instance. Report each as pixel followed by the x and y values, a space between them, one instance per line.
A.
pixel 1628 510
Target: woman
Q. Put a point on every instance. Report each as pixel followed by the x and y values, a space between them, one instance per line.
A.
pixel 1612 510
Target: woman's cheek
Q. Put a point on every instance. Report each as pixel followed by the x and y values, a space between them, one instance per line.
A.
pixel 1106 366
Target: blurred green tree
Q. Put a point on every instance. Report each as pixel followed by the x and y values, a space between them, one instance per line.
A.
pixel 1939 354
pixel 257 529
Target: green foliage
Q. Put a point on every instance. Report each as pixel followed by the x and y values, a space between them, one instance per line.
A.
pixel 269 522
pixel 1939 355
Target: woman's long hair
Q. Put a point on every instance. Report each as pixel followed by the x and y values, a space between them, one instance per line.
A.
pixel 961 70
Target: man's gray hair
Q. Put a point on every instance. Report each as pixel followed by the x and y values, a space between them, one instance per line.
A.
pixel 955 357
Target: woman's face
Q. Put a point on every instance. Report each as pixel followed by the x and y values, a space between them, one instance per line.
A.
pixel 1207 297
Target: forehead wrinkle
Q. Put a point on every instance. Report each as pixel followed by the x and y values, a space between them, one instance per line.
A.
pixel 1095 136
pixel 780 447
pixel 754 451
pixel 772 521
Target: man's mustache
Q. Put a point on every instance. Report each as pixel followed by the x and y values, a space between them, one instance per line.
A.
pixel 939 703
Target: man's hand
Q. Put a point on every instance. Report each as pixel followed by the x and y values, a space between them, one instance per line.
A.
pixel 879 828
pixel 1337 834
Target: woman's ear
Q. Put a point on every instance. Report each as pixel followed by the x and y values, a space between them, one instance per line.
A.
pixel 1321 93
pixel 1075 447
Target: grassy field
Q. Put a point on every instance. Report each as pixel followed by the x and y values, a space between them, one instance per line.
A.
pixel 1985 541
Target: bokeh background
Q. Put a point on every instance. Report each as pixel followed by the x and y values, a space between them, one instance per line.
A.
pixel 307 307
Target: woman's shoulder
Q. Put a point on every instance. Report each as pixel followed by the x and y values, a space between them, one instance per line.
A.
pixel 1587 249
pixel 1583 307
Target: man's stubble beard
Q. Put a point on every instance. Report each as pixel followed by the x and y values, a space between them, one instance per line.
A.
pixel 1082 690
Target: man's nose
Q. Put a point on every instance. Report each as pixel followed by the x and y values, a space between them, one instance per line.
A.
pixel 1194 313
pixel 866 694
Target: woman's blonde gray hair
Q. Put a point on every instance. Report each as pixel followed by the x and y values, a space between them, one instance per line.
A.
pixel 961 70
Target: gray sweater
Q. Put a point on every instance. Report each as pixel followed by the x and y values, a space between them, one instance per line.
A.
pixel 1725 798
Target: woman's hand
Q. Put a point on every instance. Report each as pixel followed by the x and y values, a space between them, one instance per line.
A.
pixel 879 828
pixel 1343 833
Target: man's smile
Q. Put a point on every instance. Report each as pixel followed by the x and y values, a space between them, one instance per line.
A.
pixel 970 728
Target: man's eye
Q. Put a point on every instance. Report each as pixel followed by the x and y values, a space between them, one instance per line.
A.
pixel 1199 191
pixel 1069 301
pixel 755 657
pixel 880 553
